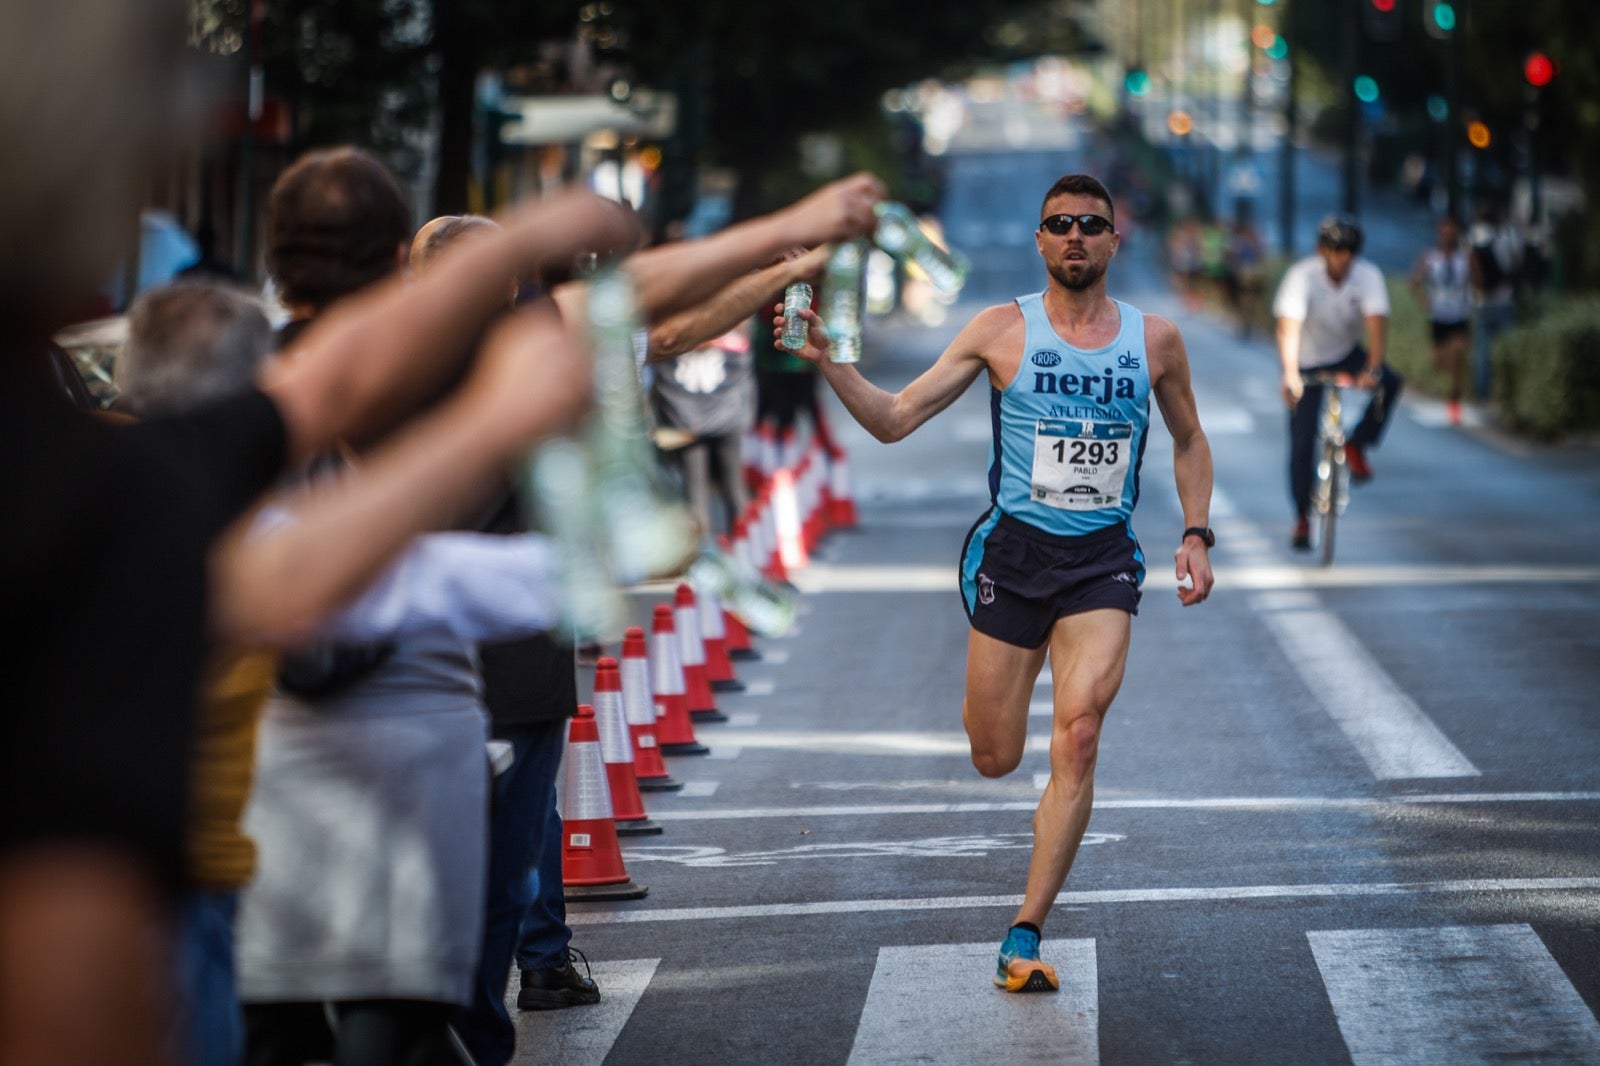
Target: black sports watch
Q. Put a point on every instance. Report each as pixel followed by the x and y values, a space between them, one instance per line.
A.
pixel 1208 538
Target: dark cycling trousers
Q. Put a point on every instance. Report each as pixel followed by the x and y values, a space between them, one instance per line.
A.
pixel 370 1033
pixel 1303 423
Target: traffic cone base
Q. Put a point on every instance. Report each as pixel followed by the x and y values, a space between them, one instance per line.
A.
pixel 637 827
pixel 687 747
pixel 730 685
pixel 603 893
pixel 660 784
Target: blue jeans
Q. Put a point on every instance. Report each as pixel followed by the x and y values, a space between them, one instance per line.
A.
pixel 1493 320
pixel 212 1024
pixel 525 911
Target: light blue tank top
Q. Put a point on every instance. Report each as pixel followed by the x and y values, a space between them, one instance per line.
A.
pixel 1069 430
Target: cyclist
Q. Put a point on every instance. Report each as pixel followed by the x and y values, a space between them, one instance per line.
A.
pixel 1325 305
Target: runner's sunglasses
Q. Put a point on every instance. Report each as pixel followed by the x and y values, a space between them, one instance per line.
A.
pixel 1061 225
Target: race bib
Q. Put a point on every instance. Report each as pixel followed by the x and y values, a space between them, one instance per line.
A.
pixel 1080 466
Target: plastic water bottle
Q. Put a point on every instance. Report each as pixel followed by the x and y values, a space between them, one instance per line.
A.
pixel 902 236
pixel 796 298
pixel 650 532
pixel 841 294
pixel 766 609
pixel 559 482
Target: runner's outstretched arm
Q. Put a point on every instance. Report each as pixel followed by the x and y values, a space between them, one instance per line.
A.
pixel 893 416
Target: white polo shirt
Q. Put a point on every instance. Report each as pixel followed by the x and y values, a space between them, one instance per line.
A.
pixel 1333 316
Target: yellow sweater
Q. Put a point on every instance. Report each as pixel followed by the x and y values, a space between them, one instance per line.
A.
pixel 220 855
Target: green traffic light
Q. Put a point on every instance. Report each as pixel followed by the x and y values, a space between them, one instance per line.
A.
pixel 1138 82
pixel 1366 89
pixel 1444 16
pixel 1279 48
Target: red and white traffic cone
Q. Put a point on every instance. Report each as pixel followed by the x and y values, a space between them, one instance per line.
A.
pixel 674 729
pixel 616 748
pixel 591 857
pixel 789 552
pixel 738 636
pixel 697 694
pixel 714 631
pixel 841 504
pixel 639 707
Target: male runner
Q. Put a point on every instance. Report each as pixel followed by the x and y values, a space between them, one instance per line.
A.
pixel 1052 566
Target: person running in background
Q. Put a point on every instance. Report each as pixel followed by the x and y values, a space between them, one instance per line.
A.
pixel 1053 566
pixel 1440 282
pixel 1325 306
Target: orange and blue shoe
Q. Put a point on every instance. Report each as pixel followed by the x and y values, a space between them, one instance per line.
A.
pixel 1019 969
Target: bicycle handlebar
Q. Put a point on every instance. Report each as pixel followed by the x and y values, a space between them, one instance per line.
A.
pixel 1330 377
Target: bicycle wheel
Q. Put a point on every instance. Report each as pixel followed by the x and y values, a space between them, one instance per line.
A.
pixel 1333 480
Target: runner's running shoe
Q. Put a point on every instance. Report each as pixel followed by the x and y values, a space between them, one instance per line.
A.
pixel 1019 969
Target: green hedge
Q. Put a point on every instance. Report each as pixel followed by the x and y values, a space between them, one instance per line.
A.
pixel 1547 371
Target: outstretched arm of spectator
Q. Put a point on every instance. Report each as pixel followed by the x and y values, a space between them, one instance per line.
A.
pixel 531 381
pixel 375 357
pixel 739 300
pixel 670 278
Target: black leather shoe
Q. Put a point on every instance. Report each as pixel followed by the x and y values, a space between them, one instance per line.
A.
pixel 558 989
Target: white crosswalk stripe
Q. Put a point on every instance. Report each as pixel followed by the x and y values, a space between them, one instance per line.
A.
pixel 937 1004
pixel 582 1036
pixel 1457 994
pixel 1400 997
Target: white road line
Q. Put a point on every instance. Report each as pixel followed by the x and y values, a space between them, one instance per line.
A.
pixel 1044 708
pixel 1388 729
pixel 1478 994
pixel 698 789
pixel 724 751
pixel 765 687
pixel 743 720
pixel 908 1017
pixel 1101 897
pixel 582 1037
pixel 1247 804
pixel 823 578
pixel 773 657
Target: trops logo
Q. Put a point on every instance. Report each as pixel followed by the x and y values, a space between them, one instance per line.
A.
pixel 1046 358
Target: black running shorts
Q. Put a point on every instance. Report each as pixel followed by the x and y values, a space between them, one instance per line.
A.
pixel 1016 580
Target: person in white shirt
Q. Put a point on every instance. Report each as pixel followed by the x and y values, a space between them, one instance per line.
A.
pixel 1440 281
pixel 1326 305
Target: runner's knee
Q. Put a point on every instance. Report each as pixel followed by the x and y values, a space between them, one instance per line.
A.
pixel 1075 745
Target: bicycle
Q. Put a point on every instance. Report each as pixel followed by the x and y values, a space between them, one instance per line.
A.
pixel 1330 486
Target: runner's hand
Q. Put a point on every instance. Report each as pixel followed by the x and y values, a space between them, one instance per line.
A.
pixel 1193 566
pixel 816 344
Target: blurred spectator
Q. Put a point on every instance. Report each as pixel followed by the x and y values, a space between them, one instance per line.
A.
pixel 1185 259
pixel 1496 263
pixel 708 397
pixel 106 568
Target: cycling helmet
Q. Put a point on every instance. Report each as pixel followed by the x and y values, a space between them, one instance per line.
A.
pixel 1340 232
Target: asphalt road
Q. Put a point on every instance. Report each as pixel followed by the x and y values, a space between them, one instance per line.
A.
pixel 1343 815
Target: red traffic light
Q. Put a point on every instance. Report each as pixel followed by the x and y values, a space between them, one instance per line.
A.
pixel 1385 6
pixel 1538 68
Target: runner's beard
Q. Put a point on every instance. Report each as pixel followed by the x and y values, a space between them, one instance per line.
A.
pixel 1077 280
